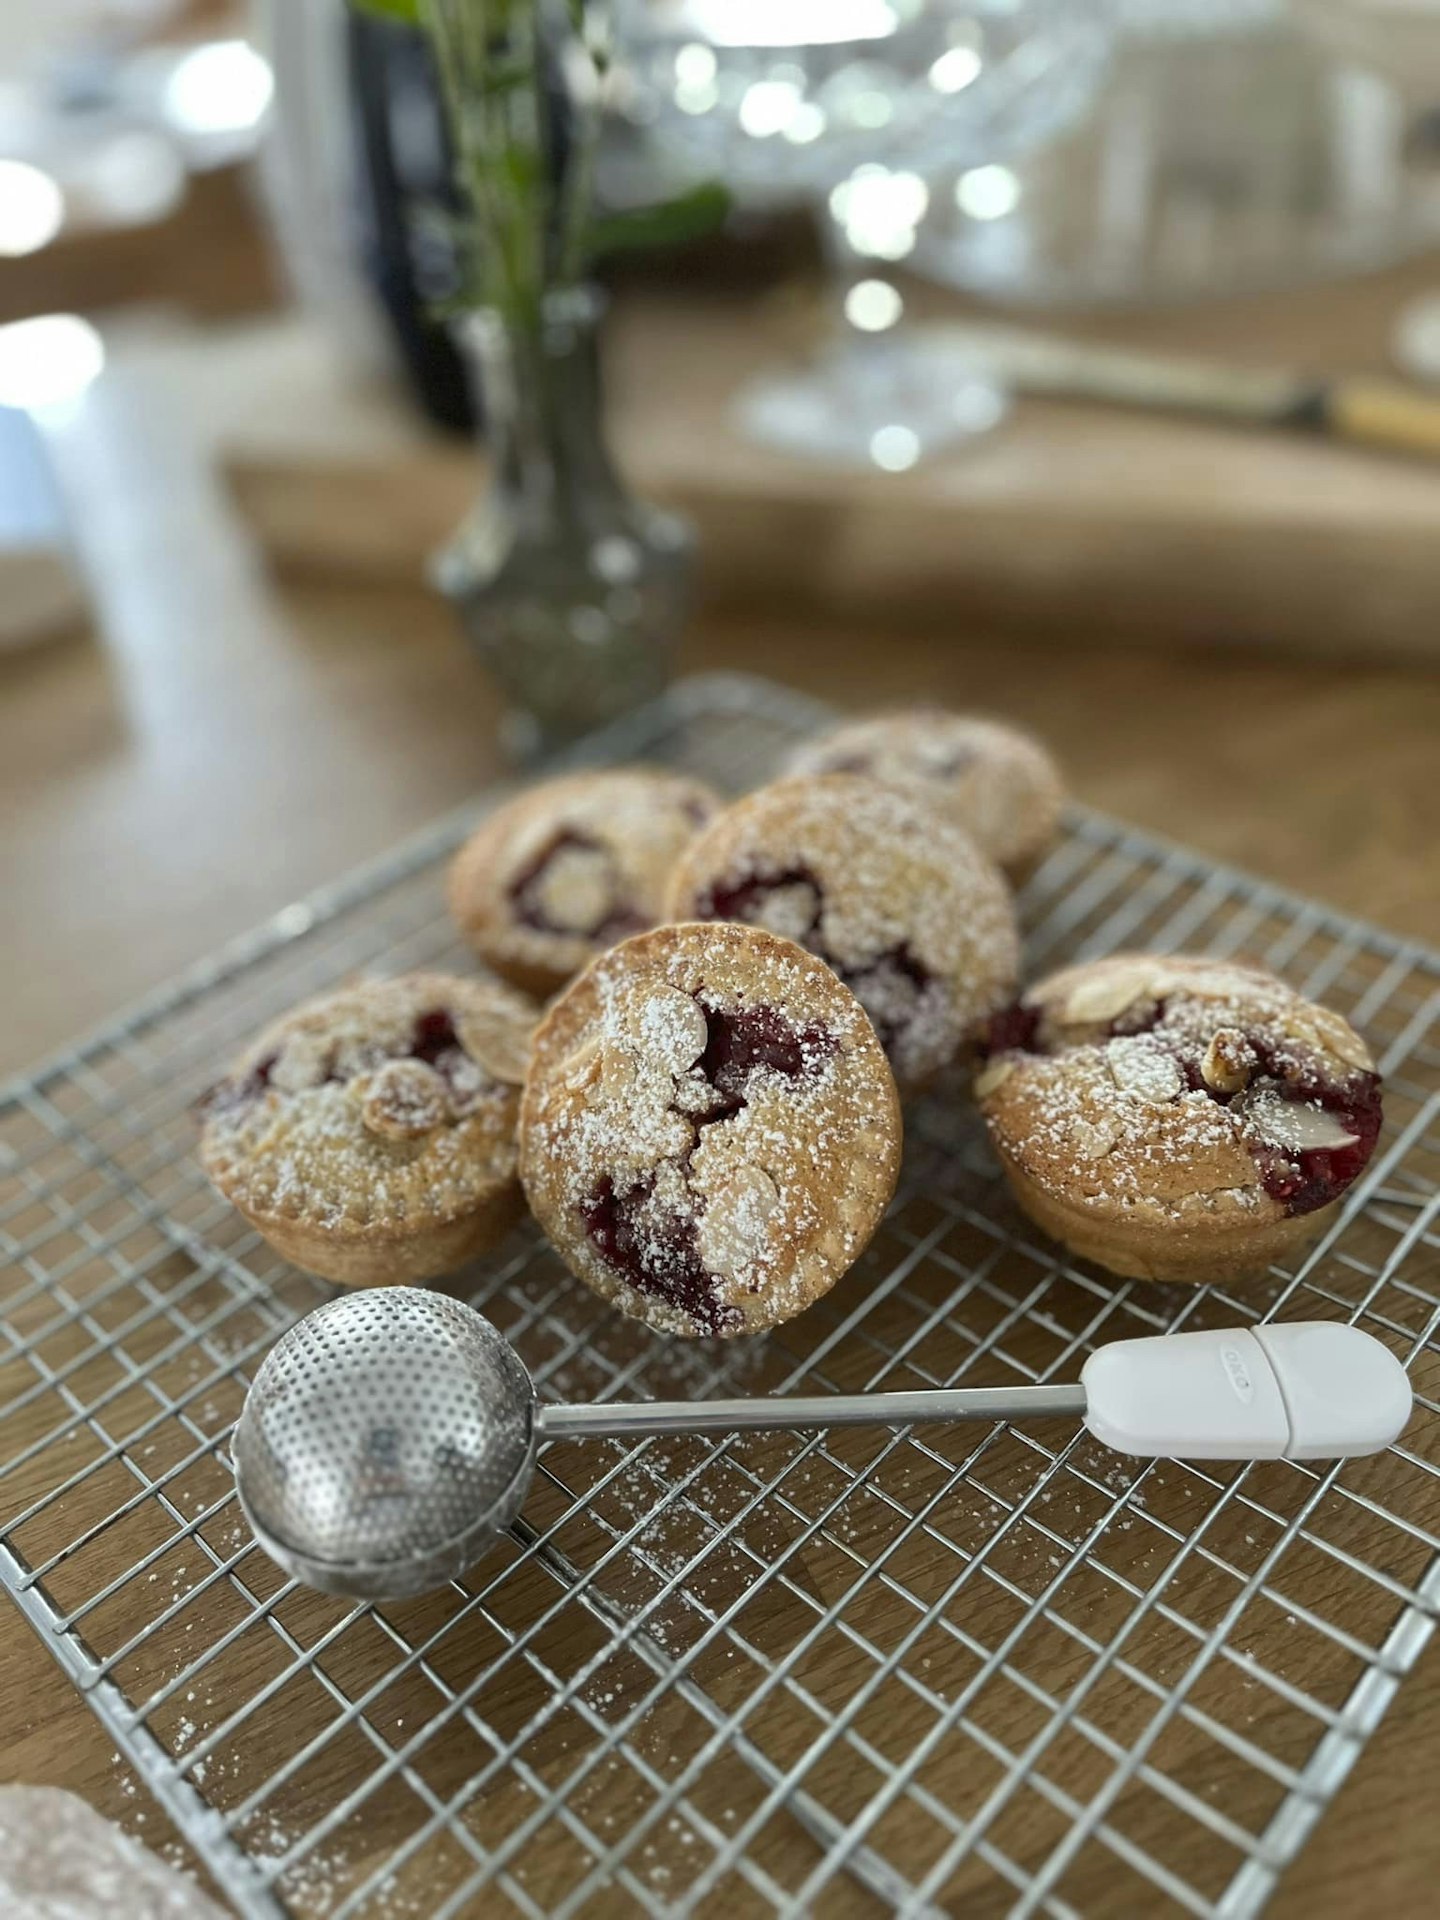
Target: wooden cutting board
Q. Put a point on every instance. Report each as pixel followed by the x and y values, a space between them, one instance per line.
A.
pixel 1070 520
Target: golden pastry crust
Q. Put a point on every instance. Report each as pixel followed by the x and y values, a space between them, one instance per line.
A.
pixel 880 883
pixel 1000 784
pixel 569 867
pixel 1176 1118
pixel 370 1135
pixel 710 1132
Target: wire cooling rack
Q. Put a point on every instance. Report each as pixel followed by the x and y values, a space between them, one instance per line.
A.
pixel 983 1671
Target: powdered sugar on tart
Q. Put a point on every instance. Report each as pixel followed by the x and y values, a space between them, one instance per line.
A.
pixel 881 884
pixel 370 1134
pixel 710 1132
pixel 572 866
pixel 1200 1098
pixel 999 784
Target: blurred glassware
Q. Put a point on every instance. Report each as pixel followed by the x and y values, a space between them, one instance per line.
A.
pixel 1235 152
pixel 1415 338
pixel 47 360
pixel 1400 38
pixel 211 98
pixel 572 592
pixel 338 119
pixel 856 105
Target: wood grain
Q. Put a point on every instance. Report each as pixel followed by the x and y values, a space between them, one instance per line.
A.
pixel 1142 528
pixel 218 747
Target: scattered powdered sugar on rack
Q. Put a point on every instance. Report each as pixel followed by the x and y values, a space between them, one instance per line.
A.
pixel 315 1881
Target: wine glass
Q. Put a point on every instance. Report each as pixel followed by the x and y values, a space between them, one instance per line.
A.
pixel 1235 153
pixel 857 106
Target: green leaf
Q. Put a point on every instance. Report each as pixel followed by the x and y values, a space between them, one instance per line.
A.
pixel 392 9
pixel 669 223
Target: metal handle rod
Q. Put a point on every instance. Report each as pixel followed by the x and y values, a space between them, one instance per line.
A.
pixel 634 1420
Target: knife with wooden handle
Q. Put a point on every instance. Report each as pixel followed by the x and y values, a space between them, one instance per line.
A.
pixel 1364 409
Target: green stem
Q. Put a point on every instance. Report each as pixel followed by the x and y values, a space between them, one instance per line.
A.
pixel 446 25
pixel 488 56
pixel 577 189
pixel 536 102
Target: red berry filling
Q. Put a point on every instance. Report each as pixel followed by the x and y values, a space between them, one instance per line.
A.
pixel 226 1095
pixel 527 893
pixel 892 987
pixel 892 990
pixel 744 899
pixel 434 1040
pixel 657 1255
pixel 754 1037
pixel 656 1252
pixel 434 1037
pixel 1304 1179
pixel 1299 1178
pixel 1014 1029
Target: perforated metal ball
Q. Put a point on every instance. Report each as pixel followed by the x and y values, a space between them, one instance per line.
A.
pixel 386 1439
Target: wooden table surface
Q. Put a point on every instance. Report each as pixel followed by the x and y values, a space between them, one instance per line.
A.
pixel 217 749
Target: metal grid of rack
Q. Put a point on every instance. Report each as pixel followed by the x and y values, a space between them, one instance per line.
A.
pixel 987 1670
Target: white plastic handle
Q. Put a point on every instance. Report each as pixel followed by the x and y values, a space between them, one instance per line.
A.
pixel 1307 1390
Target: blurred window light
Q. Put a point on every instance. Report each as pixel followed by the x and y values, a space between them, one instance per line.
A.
pixel 879 210
pixel 954 70
pixel 768 107
pixel 696 97
pixel 224 87
pixel 881 195
pixel 978 406
pixel 873 305
pixel 48 359
pixel 32 209
pixel 807 123
pixel 134 178
pixel 893 245
pixel 987 193
pixel 780 23
pixel 894 448
pixel 872 109
pixel 695 66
